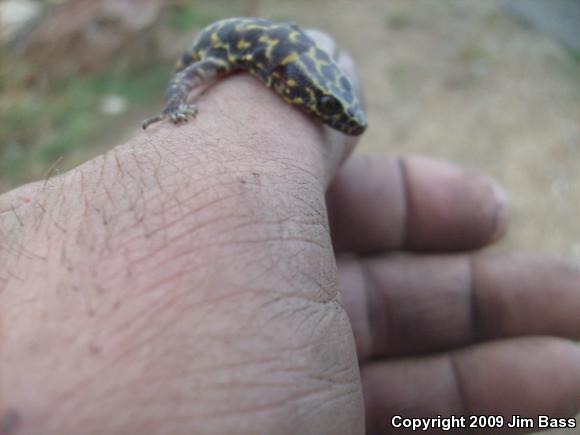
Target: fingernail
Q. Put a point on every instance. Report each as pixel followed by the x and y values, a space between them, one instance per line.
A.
pixel 501 210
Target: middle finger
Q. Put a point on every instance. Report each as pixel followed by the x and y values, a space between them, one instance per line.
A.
pixel 400 305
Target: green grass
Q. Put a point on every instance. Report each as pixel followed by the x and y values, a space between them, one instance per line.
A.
pixel 184 18
pixel 470 54
pixel 398 21
pixel 42 121
pixel 39 126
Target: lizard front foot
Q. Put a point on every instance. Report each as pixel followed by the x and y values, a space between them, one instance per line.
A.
pixel 176 116
pixel 183 112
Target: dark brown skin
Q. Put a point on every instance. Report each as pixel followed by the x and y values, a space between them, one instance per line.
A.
pixel 186 283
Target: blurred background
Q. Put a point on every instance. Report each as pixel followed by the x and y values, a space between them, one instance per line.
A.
pixel 491 84
pixel 494 85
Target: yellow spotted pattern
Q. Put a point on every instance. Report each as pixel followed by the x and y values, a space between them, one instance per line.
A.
pixel 282 56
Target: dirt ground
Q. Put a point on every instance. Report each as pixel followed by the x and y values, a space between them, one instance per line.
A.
pixel 464 81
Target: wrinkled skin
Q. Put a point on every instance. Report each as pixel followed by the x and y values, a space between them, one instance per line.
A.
pixel 186 282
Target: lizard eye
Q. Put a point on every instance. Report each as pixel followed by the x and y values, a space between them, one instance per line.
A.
pixel 329 105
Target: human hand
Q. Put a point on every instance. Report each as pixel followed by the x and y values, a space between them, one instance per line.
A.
pixel 185 282
pixel 443 330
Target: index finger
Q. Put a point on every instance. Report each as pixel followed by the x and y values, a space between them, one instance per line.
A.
pixel 378 203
